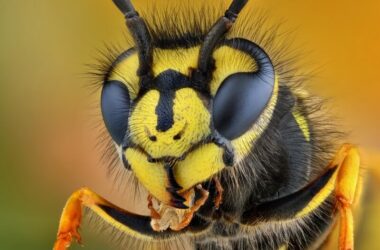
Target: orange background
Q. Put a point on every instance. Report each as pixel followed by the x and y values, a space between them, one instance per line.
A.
pixel 48 131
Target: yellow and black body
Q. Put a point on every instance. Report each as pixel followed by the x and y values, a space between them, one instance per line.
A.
pixel 234 154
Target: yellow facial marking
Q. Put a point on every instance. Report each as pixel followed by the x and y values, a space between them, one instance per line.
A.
pixel 243 144
pixel 199 166
pixel 302 123
pixel 180 60
pixel 228 61
pixel 191 121
pixel 125 72
pixel 151 175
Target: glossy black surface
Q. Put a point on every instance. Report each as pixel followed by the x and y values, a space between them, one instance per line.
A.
pixel 115 104
pixel 239 102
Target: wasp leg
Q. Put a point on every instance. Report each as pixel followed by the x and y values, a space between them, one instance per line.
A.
pixel 71 219
pixel 340 179
pixel 136 226
pixel 348 160
pixel 189 215
pixel 219 197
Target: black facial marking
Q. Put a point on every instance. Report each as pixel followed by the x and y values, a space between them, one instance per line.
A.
pixel 167 83
pixel 177 137
pixel 125 162
pixel 176 199
pixel 164 111
pixel 153 138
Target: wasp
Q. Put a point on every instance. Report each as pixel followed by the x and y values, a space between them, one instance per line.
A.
pixel 231 152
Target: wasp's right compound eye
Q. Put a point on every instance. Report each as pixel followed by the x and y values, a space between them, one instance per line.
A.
pixel 115 104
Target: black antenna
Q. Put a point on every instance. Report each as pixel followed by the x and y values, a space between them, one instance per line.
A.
pixel 141 36
pixel 218 30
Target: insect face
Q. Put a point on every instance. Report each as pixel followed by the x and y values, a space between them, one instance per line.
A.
pixel 169 119
pixel 225 150
pixel 173 117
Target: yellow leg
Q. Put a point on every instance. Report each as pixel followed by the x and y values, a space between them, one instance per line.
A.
pixel 348 162
pixel 72 215
pixel 136 226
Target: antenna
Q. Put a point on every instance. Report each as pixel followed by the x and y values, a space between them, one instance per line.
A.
pixel 141 36
pixel 216 33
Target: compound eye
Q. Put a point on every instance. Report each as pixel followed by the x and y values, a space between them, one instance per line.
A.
pixel 239 102
pixel 115 105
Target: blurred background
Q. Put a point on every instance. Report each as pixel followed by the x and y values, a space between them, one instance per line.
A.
pixel 48 123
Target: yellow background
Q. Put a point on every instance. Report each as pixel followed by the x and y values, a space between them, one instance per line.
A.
pixel 48 131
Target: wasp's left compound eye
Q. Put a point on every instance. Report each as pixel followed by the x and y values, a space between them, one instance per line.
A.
pixel 242 97
pixel 115 104
pixel 239 102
